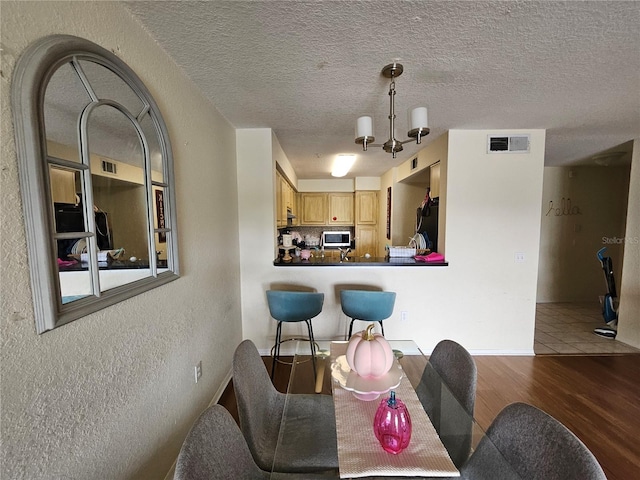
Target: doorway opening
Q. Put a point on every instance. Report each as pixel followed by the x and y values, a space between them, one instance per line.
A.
pixel 584 209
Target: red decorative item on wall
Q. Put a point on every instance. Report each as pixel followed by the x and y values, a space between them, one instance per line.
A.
pixel 392 424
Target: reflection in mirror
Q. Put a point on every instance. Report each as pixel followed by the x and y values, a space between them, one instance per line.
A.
pixel 161 251
pixel 155 152
pixel 122 200
pixel 65 98
pixel 97 180
pixel 75 285
pixel 160 226
pixel 107 84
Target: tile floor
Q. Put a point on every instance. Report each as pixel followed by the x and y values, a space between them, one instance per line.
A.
pixel 567 328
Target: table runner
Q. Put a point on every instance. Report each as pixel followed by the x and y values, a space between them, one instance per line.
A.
pixel 360 454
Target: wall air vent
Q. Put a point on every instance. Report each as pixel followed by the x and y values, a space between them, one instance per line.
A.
pixel 109 167
pixel 508 144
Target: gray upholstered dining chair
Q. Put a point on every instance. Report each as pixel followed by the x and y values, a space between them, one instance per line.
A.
pixel 215 449
pixel 523 442
pixel 453 420
pixel 307 442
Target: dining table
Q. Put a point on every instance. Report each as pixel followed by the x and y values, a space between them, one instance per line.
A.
pixel 441 440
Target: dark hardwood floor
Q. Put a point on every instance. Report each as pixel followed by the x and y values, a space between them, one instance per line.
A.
pixel 596 397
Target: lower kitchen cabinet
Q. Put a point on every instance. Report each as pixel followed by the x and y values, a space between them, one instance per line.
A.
pixel 367 240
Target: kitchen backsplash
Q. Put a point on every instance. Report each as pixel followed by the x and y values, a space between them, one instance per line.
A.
pixel 315 231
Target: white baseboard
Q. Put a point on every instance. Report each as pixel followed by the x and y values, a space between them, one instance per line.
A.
pixel 214 400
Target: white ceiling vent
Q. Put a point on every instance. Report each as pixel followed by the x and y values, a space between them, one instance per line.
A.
pixel 508 144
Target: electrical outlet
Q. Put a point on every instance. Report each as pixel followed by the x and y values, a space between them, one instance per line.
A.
pixel 519 257
pixel 404 316
pixel 198 371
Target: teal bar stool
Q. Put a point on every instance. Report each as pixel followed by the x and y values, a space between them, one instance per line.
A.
pixel 368 306
pixel 287 306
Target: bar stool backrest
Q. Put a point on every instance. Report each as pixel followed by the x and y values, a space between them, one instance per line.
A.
pixel 370 306
pixel 287 306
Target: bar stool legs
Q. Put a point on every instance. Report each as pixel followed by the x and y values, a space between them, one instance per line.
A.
pixel 279 341
pixel 354 319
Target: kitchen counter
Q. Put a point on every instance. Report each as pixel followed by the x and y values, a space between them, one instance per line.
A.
pixel 112 265
pixel 358 262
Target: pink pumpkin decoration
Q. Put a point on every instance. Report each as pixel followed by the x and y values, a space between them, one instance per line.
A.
pixel 369 354
pixel 392 424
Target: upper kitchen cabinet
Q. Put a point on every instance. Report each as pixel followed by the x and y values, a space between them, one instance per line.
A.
pixel 320 208
pixel 285 202
pixel 366 208
pixel 63 185
pixel 281 219
pixel 434 180
pixel 340 208
pixel 313 208
pixel 366 223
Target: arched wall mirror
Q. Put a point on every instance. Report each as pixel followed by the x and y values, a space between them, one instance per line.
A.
pixel 96 174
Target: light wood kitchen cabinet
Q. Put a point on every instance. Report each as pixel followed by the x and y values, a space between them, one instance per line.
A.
pixel 280 220
pixel 320 208
pixel 285 201
pixel 367 223
pixel 294 207
pixel 367 240
pixel 366 208
pixel 63 185
pixel 434 180
pixel 340 208
pixel 313 208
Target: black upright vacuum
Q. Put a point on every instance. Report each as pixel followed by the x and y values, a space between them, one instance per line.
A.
pixel 610 300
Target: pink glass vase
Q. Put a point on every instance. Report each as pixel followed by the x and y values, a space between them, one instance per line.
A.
pixel 392 424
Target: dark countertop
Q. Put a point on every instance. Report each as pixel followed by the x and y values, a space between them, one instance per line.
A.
pixel 358 262
pixel 112 265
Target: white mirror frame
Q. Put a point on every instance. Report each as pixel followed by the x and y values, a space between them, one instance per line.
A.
pixel 31 77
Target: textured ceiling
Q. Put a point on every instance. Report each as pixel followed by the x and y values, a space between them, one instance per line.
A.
pixel 309 69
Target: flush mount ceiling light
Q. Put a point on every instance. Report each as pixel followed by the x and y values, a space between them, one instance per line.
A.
pixel 418 119
pixel 342 165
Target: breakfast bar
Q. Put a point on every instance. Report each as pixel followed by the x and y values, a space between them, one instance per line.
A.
pixel 357 262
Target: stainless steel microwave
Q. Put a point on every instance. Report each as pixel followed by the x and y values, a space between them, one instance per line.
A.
pixel 336 239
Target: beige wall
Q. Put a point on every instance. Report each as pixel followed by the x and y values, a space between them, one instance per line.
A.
pixel 111 395
pixel 572 233
pixel 483 299
pixel 629 311
pixel 326 185
pixel 493 212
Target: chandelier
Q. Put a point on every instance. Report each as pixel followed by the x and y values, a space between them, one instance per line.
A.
pixel 418 120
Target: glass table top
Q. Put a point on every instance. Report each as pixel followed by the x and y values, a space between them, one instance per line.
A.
pixel 457 429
